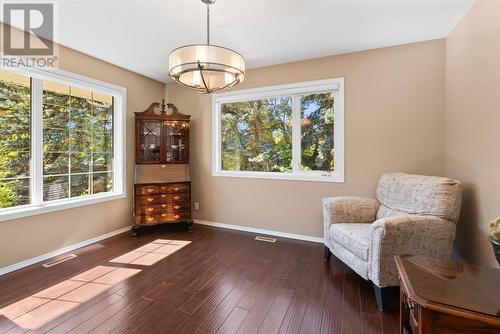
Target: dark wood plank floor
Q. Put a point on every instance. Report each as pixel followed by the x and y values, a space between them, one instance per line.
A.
pixel 223 282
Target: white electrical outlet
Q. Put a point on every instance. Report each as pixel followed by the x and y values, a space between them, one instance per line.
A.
pixel 196 206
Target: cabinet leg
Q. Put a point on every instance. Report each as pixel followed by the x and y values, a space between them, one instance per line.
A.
pixel 189 225
pixel 328 255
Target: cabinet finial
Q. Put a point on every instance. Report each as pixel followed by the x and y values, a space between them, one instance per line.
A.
pixel 150 112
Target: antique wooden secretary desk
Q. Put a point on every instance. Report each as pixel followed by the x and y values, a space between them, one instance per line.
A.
pixel 162 184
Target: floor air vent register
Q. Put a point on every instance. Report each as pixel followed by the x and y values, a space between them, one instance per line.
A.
pixel 58 260
pixel 265 239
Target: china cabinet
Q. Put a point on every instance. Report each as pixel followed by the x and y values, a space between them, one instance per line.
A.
pixel 162 138
pixel 162 185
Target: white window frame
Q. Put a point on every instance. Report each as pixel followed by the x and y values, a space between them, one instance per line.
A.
pixel 37 205
pixel 336 86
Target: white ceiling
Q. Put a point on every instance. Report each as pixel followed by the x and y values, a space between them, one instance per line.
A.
pixel 139 34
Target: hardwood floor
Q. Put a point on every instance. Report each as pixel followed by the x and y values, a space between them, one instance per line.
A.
pixel 222 282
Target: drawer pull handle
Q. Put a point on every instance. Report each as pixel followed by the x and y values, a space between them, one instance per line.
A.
pixel 150 190
pixel 177 207
pixel 149 209
pixel 149 199
pixel 163 214
pixel 164 196
pixel 149 219
pixel 163 188
pixel 163 205
pixel 176 216
pixel 176 188
pixel 176 197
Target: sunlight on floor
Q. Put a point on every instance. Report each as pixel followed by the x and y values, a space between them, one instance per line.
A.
pixel 46 305
pixel 151 253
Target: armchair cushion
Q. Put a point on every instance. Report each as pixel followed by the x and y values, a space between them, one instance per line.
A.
pixel 406 235
pixel 354 237
pixel 400 193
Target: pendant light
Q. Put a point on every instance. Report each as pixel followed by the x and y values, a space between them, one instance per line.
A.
pixel 206 68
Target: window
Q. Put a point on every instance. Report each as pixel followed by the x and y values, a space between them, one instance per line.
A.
pixel 61 142
pixel 281 132
pixel 257 135
pixel 15 145
pixel 77 142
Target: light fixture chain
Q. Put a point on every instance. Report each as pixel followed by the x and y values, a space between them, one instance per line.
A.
pixel 208 23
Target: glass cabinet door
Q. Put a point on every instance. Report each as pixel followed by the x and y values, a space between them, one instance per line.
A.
pixel 150 141
pixel 176 142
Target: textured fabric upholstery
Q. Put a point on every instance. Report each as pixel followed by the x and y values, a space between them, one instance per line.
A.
pixel 351 209
pixel 385 212
pixel 348 210
pixel 406 235
pixel 355 237
pixel 419 195
pixel 354 262
pixel 413 215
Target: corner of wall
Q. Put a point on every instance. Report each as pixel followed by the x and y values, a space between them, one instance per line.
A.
pixel 472 80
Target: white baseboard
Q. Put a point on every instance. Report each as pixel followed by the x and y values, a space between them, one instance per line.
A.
pixel 260 231
pixel 87 242
pixel 60 251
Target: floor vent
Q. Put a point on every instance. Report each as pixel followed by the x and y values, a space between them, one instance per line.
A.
pixel 61 259
pixel 265 239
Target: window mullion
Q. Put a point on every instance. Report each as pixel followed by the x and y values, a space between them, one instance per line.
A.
pixel 37 141
pixel 296 133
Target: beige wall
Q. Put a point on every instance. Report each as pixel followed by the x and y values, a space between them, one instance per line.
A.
pixel 394 121
pixel 25 238
pixel 473 124
pixel 394 103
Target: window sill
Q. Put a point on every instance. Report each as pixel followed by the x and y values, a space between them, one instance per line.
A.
pixel 32 210
pixel 313 176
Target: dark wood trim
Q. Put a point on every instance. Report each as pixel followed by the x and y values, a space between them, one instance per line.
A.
pixel 163 153
pixel 155 183
pixel 137 142
pixel 151 114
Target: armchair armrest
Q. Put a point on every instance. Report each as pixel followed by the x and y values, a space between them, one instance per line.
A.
pixel 348 210
pixel 406 235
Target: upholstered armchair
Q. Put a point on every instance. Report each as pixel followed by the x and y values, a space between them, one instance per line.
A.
pixel 411 215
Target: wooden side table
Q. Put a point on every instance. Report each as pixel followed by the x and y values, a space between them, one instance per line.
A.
pixel 447 297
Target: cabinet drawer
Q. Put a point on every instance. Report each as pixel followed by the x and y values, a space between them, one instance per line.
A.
pixel 163 217
pixel 162 189
pixel 171 207
pixel 162 198
pixel 175 188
